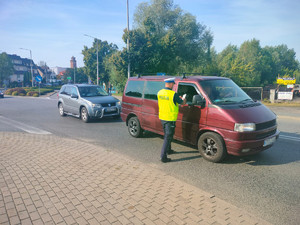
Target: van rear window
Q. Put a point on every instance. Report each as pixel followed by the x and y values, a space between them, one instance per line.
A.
pixel 152 87
pixel 135 88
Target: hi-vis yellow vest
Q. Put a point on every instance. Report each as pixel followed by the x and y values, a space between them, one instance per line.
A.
pixel 167 109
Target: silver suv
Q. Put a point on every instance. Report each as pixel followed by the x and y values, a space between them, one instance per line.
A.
pixel 87 102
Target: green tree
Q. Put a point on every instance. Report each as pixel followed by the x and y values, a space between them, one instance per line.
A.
pixel 169 40
pixel 283 59
pixel 27 79
pixel 80 76
pixel 117 68
pixel 225 59
pixel 250 53
pixel 6 67
pixel 90 60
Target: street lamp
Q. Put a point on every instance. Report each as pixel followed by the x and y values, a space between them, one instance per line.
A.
pixel 30 64
pixel 97 57
pixel 128 39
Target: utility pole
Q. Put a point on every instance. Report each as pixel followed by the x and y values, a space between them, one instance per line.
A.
pixel 128 39
pixel 30 65
pixel 74 75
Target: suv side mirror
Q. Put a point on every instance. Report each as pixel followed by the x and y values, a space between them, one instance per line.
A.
pixel 198 100
pixel 74 96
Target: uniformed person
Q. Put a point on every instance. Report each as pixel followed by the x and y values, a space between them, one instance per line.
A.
pixel 168 104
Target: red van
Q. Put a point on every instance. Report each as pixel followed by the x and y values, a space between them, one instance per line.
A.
pixel 219 117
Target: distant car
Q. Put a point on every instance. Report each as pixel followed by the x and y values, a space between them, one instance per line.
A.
pixel 1 94
pixel 296 90
pixel 87 102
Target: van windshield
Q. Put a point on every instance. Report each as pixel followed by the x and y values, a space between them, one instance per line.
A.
pixel 222 92
pixel 92 91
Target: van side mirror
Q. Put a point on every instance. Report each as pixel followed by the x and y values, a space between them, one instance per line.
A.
pixel 198 100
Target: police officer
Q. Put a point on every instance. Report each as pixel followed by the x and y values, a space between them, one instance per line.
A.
pixel 168 101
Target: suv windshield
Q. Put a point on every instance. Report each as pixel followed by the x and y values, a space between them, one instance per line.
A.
pixel 224 92
pixel 92 91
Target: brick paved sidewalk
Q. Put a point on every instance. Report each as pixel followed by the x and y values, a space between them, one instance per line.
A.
pixel 45 179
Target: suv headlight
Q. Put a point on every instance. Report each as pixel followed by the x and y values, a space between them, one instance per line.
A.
pixel 118 104
pixel 96 105
pixel 244 127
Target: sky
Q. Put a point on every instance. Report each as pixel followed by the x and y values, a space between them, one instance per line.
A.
pixel 54 30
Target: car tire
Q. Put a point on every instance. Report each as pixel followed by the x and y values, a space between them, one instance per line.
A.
pixel 211 147
pixel 134 127
pixel 61 110
pixel 84 114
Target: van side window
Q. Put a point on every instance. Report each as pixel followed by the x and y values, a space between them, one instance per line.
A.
pixel 135 88
pixel 152 87
pixel 189 89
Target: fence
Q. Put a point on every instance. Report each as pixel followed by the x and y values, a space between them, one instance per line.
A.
pixel 256 93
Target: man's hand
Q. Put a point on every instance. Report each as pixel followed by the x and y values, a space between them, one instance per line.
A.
pixel 184 99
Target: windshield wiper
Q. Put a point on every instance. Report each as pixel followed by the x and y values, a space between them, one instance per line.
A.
pixel 246 100
pixel 224 101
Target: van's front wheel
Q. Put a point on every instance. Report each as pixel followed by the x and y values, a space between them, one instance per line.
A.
pixel 134 127
pixel 211 147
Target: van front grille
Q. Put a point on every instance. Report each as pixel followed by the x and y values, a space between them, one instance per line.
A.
pixel 266 134
pixel 262 126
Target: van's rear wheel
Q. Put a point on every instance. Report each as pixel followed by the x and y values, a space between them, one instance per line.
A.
pixel 134 127
pixel 211 147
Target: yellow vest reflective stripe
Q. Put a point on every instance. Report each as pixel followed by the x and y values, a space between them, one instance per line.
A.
pixel 167 109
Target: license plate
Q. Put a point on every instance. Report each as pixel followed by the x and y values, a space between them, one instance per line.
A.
pixel 110 109
pixel 269 141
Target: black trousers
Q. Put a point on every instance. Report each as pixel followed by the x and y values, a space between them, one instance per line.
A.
pixel 169 129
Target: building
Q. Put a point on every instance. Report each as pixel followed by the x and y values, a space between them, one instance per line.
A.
pixel 22 70
pixel 73 62
pixel 47 74
pixel 56 70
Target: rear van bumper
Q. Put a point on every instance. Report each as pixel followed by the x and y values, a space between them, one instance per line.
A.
pixel 249 147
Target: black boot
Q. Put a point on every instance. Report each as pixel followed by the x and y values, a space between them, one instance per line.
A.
pixel 165 160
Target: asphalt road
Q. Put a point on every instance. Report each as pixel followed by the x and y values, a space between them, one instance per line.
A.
pixel 266 185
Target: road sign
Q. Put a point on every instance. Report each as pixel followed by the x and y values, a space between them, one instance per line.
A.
pixel 69 78
pixel 38 78
pixel 161 74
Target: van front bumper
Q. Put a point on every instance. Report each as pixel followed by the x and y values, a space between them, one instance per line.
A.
pixel 250 147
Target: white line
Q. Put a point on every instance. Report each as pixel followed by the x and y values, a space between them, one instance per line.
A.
pixel 289 137
pixel 22 126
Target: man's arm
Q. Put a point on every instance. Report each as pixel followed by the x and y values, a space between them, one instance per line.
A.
pixel 178 99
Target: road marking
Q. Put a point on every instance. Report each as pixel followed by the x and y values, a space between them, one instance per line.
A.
pixel 23 126
pixel 289 137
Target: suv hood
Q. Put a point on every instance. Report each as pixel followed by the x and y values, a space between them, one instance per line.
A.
pixel 101 99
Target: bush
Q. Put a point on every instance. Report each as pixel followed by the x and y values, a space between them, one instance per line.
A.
pixel 21 94
pixel 31 93
pixel 35 95
pixel 19 90
pixel 15 93
pixel 8 92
